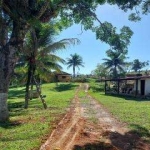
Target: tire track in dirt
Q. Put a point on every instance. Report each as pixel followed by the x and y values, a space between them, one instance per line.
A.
pixel 104 117
pixel 67 130
pixel 89 126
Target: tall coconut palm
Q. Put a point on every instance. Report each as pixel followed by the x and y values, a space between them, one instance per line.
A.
pixel 115 62
pixel 39 53
pixel 74 61
pixel 137 65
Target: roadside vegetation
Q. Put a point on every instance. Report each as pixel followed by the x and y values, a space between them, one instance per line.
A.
pixel 28 128
pixel 133 111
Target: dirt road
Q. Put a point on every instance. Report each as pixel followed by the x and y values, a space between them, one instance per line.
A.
pixel 89 126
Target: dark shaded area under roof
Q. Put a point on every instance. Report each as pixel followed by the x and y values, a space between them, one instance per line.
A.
pixel 129 78
pixel 63 73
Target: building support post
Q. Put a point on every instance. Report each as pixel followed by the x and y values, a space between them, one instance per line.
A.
pixel 118 86
pixel 105 86
pixel 136 90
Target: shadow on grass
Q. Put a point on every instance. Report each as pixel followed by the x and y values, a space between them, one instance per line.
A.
pixel 133 139
pixel 13 105
pixel 10 124
pixel 128 97
pixel 141 131
pixel 16 108
pixel 64 87
pixel 13 93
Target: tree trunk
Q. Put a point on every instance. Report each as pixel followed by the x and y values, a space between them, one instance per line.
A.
pixel 4 63
pixel 31 88
pixel 27 86
pixel 73 71
pixel 3 107
pixel 115 74
pixel 7 62
pixel 8 59
pixel 30 80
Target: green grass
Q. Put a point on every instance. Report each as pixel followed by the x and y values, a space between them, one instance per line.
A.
pixel 96 86
pixel 134 112
pixel 28 128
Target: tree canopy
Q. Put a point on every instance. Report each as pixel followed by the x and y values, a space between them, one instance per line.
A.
pixel 138 65
pixel 74 61
pixel 18 16
pixel 100 71
pixel 28 13
pixel 115 63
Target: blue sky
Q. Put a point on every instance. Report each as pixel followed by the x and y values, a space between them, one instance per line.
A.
pixel 93 51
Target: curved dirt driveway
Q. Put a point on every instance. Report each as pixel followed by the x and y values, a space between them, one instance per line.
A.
pixel 89 126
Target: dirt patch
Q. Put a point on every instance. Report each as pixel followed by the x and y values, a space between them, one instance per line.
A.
pixel 88 126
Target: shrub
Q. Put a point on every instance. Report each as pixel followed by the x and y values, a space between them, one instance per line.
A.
pixel 82 80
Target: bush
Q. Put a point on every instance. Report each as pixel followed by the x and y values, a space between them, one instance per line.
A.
pixel 82 80
pixel 97 87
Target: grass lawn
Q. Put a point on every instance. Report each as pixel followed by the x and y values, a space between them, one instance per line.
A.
pixel 28 128
pixel 134 112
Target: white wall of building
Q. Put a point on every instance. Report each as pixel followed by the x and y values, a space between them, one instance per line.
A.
pixel 147 86
pixel 139 86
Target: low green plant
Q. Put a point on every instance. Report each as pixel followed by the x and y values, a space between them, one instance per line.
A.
pixel 79 79
pixel 97 87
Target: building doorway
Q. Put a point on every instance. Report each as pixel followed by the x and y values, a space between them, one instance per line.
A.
pixel 142 87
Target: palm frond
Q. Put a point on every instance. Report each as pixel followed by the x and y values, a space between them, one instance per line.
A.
pixel 62 44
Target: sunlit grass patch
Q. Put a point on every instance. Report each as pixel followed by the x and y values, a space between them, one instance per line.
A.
pixel 134 112
pixel 27 127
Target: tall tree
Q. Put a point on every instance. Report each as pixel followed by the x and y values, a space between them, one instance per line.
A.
pixel 115 63
pixel 74 61
pixel 128 67
pixel 40 55
pixel 100 71
pixel 17 16
pixel 138 65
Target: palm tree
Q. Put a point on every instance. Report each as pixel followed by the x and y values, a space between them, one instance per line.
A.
pixel 39 56
pixel 137 65
pixel 74 61
pixel 116 62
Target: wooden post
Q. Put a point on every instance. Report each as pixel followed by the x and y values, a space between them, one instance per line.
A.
pixel 136 90
pixel 105 86
pixel 118 86
pixel 39 92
